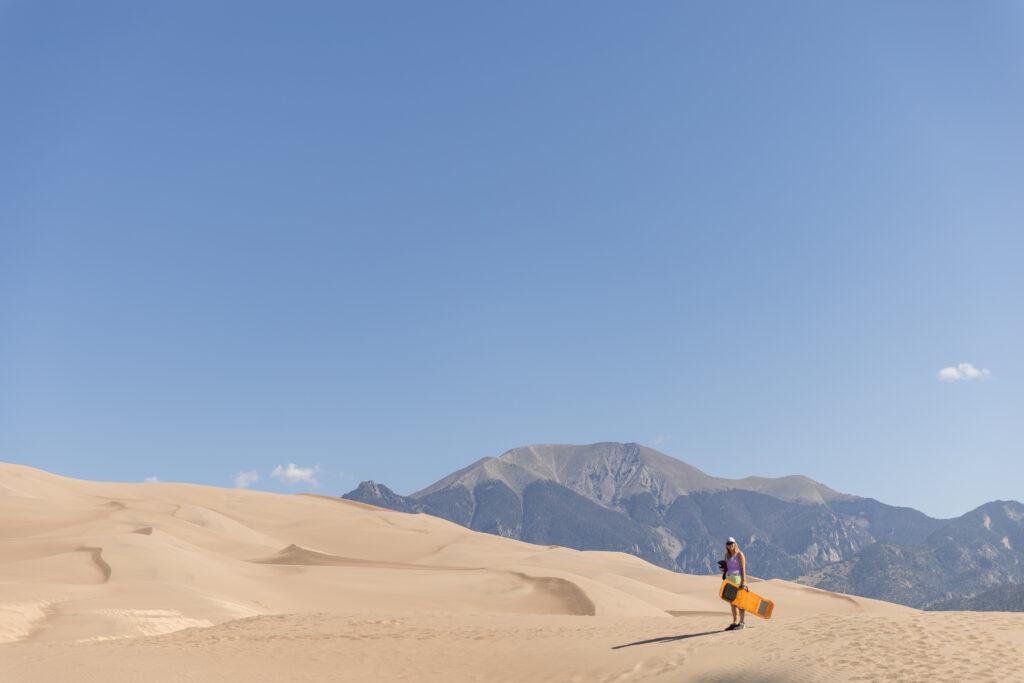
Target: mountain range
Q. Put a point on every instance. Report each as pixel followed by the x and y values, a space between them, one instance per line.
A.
pixel 631 498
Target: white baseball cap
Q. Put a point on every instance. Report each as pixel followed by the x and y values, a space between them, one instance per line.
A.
pixel 731 540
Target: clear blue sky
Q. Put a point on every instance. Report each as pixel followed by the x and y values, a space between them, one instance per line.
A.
pixel 386 239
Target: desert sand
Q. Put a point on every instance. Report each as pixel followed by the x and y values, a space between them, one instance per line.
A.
pixel 170 582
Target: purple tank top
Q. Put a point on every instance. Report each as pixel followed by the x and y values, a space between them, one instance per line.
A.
pixel 732 564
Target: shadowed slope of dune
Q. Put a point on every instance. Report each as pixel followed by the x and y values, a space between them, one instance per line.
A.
pixel 297 555
pixel 97 559
pixel 575 598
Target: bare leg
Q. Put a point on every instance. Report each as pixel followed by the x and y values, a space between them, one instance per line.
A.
pixel 735 612
pixel 743 615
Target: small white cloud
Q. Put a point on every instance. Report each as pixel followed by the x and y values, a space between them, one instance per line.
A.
pixel 660 439
pixel 963 372
pixel 293 474
pixel 949 374
pixel 244 480
pixel 151 480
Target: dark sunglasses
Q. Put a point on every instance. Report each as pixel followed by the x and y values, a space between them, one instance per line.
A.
pixel 730 543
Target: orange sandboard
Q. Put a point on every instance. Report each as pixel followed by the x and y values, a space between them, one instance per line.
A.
pixel 744 599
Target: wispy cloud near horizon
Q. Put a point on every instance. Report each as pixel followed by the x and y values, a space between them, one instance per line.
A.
pixel 964 372
pixel 293 474
pixel 244 480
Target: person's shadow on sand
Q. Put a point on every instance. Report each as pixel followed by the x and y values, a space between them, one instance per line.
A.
pixel 668 639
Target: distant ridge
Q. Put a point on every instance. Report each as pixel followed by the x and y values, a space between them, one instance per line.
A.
pixel 1008 598
pixel 632 498
pixel 608 471
pixel 957 564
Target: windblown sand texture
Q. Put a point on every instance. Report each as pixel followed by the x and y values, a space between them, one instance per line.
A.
pixel 169 582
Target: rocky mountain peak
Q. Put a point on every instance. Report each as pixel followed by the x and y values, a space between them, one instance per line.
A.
pixel 378 494
pixel 608 472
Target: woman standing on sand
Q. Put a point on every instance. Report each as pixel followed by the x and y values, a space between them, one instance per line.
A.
pixel 736 574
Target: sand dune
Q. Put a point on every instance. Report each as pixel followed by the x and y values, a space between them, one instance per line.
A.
pixel 171 581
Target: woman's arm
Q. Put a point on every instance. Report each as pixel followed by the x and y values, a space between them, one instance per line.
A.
pixel 743 570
